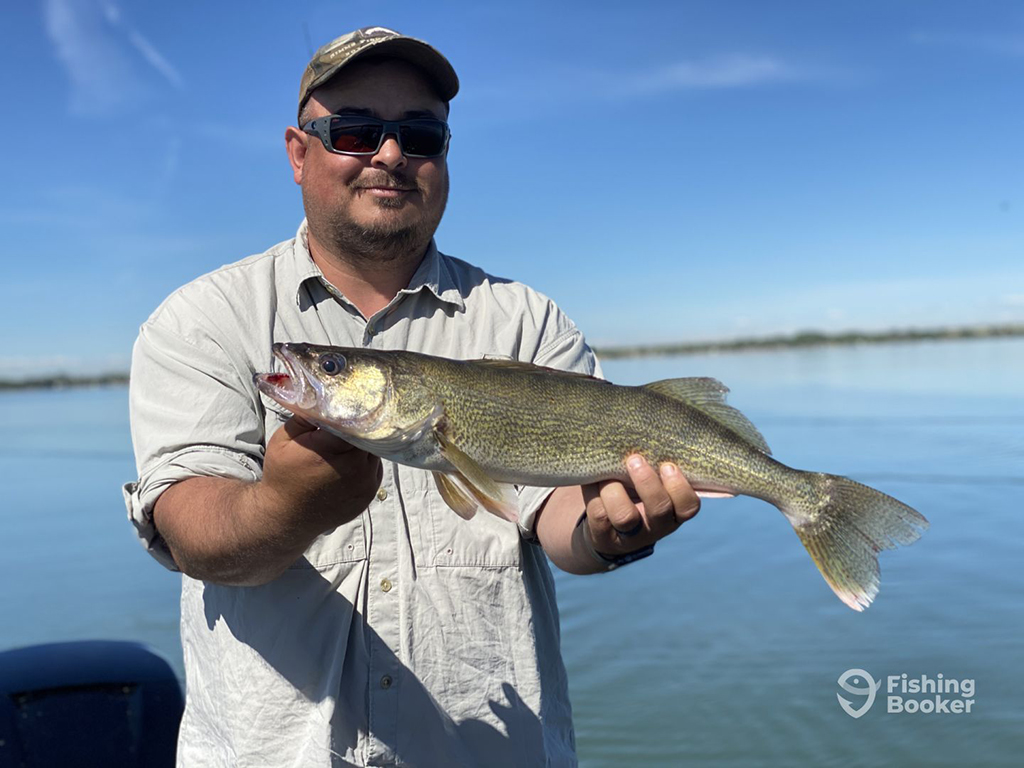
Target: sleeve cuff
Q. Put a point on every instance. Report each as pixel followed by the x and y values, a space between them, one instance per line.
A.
pixel 531 499
pixel 194 461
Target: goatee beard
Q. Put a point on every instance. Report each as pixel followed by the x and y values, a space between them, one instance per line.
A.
pixel 382 242
pixel 377 244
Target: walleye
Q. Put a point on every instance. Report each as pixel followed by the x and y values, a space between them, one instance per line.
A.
pixel 483 425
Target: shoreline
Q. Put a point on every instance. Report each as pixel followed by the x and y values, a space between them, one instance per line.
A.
pixel 801 340
pixel 810 339
pixel 64 381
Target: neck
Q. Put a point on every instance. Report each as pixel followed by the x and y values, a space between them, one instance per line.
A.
pixel 369 285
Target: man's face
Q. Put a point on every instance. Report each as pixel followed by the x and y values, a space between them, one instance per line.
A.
pixel 381 206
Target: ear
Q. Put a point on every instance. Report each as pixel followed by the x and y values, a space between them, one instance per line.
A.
pixel 296 144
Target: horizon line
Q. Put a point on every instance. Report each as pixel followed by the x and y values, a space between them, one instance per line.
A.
pixel 799 339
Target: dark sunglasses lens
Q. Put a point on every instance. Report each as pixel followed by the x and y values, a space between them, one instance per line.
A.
pixel 354 138
pixel 424 138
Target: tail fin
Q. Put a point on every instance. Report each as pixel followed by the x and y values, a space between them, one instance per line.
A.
pixel 844 526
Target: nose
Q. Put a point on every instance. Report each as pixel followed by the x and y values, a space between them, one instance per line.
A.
pixel 389 155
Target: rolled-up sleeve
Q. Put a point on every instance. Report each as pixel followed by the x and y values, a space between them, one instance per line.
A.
pixel 566 350
pixel 193 413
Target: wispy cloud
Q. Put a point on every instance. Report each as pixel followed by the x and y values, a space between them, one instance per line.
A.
pixel 1008 45
pixel 569 84
pixel 144 48
pixel 75 206
pixel 101 79
pixel 172 159
pixel 105 57
pixel 155 59
pixel 732 71
pixel 244 136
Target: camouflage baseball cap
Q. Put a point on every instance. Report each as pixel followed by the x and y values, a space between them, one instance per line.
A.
pixel 380 41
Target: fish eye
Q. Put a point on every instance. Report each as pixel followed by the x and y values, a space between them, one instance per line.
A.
pixel 332 364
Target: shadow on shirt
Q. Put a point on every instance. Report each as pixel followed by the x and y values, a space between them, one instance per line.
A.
pixel 297 626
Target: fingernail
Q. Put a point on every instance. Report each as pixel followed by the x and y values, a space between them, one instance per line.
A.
pixel 669 470
pixel 635 462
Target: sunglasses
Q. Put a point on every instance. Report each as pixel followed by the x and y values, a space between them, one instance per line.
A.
pixel 358 135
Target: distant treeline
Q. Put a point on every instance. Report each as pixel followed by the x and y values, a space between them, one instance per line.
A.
pixel 802 339
pixel 814 339
pixel 63 381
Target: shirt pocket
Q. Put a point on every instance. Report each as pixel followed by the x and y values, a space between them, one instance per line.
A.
pixel 344 544
pixel 485 541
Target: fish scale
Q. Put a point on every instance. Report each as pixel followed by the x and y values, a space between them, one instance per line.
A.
pixel 569 430
pixel 481 424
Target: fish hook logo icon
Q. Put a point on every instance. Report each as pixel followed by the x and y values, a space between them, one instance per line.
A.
pixel 848 681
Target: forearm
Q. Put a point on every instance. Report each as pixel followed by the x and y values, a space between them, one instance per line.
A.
pixel 562 538
pixel 229 531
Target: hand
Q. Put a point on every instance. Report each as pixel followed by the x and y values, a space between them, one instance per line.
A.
pixel 320 479
pixel 618 525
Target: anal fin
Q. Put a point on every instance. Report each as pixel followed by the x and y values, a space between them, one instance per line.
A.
pixel 715 494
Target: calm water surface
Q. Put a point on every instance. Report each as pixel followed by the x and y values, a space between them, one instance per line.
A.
pixel 725 647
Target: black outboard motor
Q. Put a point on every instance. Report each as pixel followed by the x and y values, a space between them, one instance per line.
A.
pixel 90 703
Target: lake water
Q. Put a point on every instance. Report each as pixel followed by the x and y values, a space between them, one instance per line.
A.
pixel 723 649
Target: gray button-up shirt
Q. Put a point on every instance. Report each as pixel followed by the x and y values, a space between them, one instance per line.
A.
pixel 409 636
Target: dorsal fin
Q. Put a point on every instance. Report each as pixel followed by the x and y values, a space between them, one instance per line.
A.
pixel 521 367
pixel 708 395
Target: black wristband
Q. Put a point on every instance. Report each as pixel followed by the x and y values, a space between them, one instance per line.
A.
pixel 630 557
pixel 611 562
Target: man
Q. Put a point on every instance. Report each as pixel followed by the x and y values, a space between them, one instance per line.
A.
pixel 334 610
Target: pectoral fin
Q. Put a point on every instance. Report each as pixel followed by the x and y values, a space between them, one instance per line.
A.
pixel 497 498
pixel 462 503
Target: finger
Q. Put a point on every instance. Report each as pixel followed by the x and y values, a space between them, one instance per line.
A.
pixel 311 437
pixel 622 513
pixel 296 426
pixel 685 501
pixel 658 507
pixel 597 518
pixel 358 466
pixel 326 444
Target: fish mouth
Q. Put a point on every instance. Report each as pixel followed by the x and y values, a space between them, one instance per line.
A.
pixel 295 390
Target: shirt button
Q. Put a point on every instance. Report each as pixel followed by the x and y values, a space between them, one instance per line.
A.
pixel 385 585
pixel 385 682
pixel 382 494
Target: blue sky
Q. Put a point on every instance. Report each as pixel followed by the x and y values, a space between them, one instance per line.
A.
pixel 665 171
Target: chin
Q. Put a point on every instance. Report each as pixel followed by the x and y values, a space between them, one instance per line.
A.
pixel 398 217
pixel 390 204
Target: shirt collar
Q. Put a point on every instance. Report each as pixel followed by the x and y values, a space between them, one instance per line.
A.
pixel 433 274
